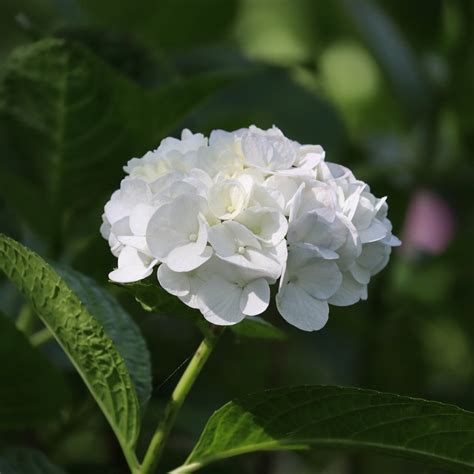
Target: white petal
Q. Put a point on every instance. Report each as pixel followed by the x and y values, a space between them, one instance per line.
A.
pixel 219 302
pixel 129 256
pixel 350 206
pixel 130 274
pixel 131 193
pixel 268 225
pixel 227 198
pixel 376 231
pixel 360 273
pixel 173 225
pixel 226 238
pixel 132 266
pixel 300 309
pixel 309 156
pixel 121 227
pixel 186 257
pixel 286 185
pixel 255 297
pixel 382 264
pixel 349 292
pixel 268 150
pixel 373 254
pixel 364 213
pixel 314 229
pixel 271 198
pixel 294 204
pixel 161 235
pixel 138 243
pixel 222 240
pixel 173 282
pixel 105 227
pixel 321 252
pixel 320 279
pixel 139 218
pixel 394 241
pixel 260 261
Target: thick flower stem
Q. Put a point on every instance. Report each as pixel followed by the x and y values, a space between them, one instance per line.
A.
pixel 155 449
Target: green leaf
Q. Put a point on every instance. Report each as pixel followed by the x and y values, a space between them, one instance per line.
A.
pixel 177 100
pixel 155 299
pixel 154 22
pixel 257 328
pixel 74 121
pixel 22 196
pixel 26 461
pixel 80 335
pixel 119 326
pixel 337 417
pixel 33 390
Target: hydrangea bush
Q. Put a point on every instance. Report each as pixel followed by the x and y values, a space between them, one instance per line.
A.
pixel 230 225
pixel 221 220
pixel 225 218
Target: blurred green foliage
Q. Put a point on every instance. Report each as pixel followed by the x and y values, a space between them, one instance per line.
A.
pixel 385 86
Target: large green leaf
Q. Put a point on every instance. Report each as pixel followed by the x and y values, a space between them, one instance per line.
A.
pixel 156 22
pixel 32 390
pixel 119 326
pixel 337 417
pixel 23 197
pixel 81 336
pixel 26 461
pixel 155 299
pixel 73 122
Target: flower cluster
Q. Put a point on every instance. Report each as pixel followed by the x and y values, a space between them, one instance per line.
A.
pixel 226 217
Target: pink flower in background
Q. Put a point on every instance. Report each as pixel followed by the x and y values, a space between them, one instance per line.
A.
pixel 429 224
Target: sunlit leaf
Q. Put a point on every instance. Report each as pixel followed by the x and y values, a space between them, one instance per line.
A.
pixel 336 417
pixel 119 326
pixel 82 337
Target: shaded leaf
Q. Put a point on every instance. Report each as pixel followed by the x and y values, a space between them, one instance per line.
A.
pixel 32 390
pixel 119 50
pixel 338 417
pixel 257 328
pixel 119 326
pixel 155 299
pixel 26 461
pixel 66 112
pixel 252 101
pixel 81 336
pixel 22 196
pixel 155 22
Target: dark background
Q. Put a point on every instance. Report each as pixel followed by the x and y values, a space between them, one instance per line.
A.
pixel 387 88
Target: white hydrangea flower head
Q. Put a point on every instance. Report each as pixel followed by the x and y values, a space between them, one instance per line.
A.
pixel 225 218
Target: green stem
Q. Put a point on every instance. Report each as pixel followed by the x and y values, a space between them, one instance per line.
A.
pixel 155 449
pixel 41 337
pixel 131 459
